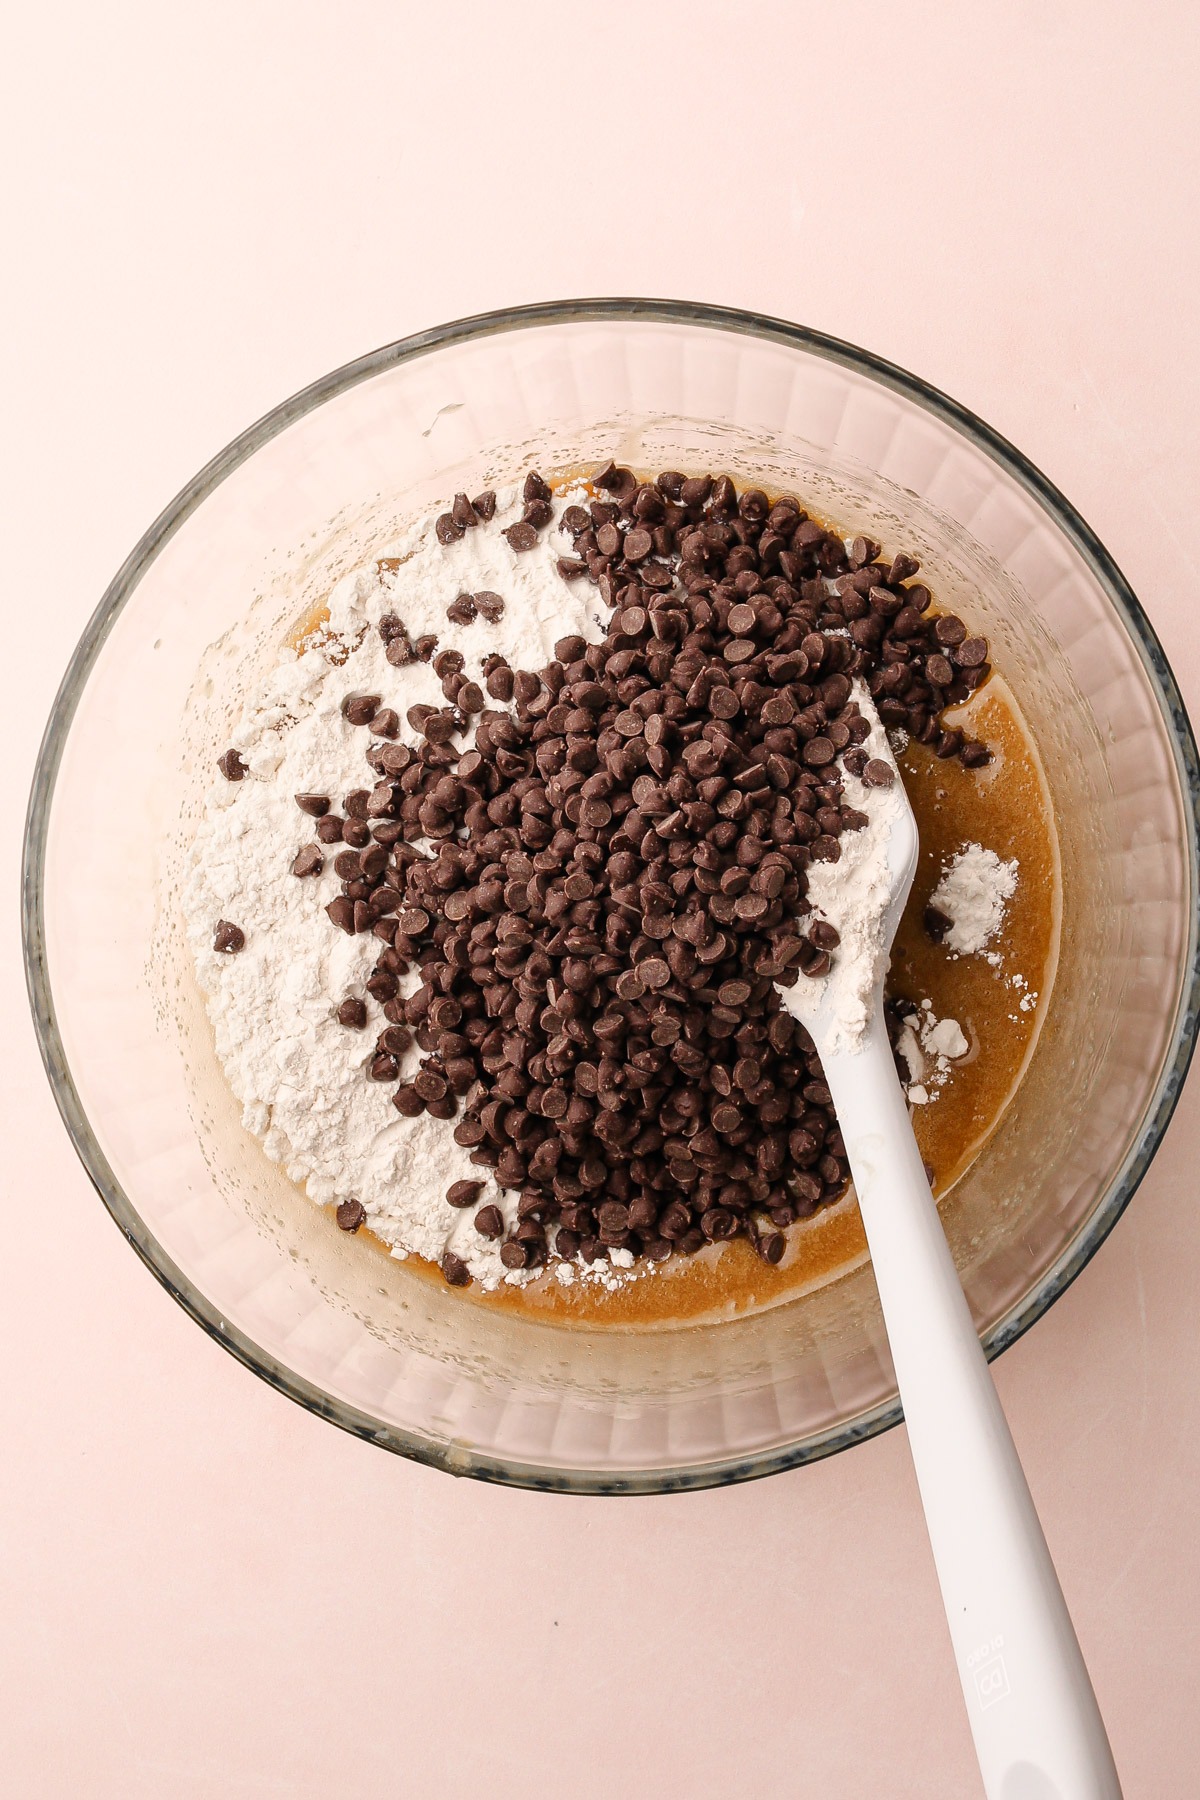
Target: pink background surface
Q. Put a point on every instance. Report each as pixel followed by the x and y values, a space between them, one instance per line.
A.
pixel 204 1591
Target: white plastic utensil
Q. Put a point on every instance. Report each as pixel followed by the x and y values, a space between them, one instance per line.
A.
pixel 1037 1729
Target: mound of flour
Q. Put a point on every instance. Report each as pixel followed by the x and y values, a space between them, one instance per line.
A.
pixel 973 891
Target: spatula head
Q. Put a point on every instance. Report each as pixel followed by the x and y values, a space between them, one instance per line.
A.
pixel 863 895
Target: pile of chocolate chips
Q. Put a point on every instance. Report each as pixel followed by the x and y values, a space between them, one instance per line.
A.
pixel 601 891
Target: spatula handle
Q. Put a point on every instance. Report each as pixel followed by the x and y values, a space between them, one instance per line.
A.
pixel 1037 1729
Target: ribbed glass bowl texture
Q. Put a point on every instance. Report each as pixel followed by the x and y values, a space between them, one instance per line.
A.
pixel 256 540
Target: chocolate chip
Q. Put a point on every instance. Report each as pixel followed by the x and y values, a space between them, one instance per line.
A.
pixel 228 938
pixel 490 606
pixel 462 512
pixel 447 528
pixel 315 805
pixel 360 709
pixel 461 611
pixel 862 550
pixel 718 1224
pixel 350 1215
pixel 695 490
pixel 878 773
pixel 463 1193
pixel 521 536
pixel 489 1222
pixel 939 671
pixel 455 1270
pixel 353 1013
pixel 341 913
pixel 948 630
pixel 970 653
pixel 485 505
pixel 231 766
pixel 309 861
pixel 771 1246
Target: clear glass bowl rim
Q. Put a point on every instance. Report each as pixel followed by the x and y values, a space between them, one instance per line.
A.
pixel 567 312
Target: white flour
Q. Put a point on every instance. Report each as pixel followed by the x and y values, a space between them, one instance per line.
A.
pixel 929 1047
pixel 972 893
pixel 852 895
pixel 298 1073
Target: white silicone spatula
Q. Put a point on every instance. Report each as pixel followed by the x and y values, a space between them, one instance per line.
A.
pixel 1037 1729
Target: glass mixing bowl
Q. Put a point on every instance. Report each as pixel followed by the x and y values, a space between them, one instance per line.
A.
pixel 258 538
